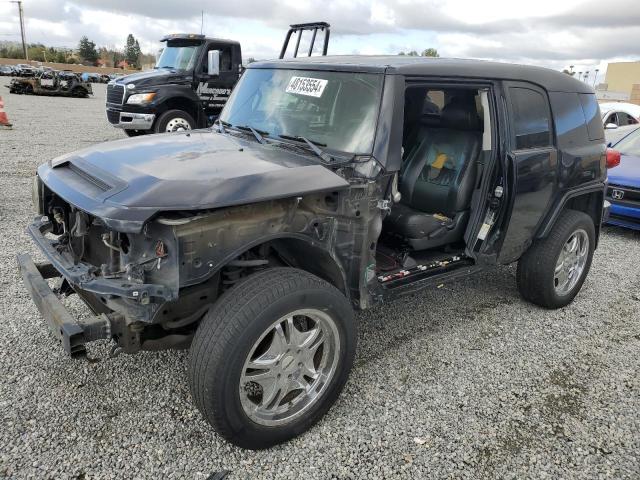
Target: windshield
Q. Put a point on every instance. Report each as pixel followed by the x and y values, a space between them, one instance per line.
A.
pixel 178 56
pixel 333 109
pixel 630 145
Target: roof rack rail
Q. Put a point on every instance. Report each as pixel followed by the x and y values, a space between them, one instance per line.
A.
pixel 301 27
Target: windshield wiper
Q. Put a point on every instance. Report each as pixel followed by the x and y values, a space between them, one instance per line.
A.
pixel 259 134
pixel 313 146
pixel 221 125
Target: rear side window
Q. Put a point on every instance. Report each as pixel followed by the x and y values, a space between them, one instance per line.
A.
pixel 531 118
pixel 592 115
pixel 571 127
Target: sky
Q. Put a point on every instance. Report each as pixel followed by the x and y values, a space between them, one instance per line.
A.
pixel 553 33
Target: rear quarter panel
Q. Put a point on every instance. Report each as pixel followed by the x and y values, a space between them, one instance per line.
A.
pixel 544 179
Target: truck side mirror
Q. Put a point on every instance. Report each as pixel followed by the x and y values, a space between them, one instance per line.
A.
pixel 213 62
pixel 610 126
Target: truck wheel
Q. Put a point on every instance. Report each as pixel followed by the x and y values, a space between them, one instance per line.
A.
pixel 174 121
pixel 271 357
pixel 552 271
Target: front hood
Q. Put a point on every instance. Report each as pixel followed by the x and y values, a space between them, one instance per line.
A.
pixel 626 174
pixel 128 181
pixel 150 78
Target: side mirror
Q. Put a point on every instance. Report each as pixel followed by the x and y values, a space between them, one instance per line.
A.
pixel 213 62
pixel 610 126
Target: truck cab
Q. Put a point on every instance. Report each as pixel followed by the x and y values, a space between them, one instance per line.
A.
pixel 189 85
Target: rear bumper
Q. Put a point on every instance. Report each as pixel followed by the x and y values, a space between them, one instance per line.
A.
pixel 72 333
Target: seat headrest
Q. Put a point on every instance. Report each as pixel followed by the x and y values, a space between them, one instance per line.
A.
pixel 461 114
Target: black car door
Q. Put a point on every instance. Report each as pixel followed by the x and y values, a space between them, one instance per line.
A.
pixel 533 157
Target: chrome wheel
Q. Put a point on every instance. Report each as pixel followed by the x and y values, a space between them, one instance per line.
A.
pixel 289 367
pixel 178 124
pixel 571 262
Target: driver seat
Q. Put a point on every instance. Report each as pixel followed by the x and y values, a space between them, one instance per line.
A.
pixel 438 177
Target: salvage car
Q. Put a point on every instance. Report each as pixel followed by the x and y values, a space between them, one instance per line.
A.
pixel 52 83
pixel 24 70
pixel 328 185
pixel 624 184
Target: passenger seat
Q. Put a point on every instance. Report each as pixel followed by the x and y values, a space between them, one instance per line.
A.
pixel 438 178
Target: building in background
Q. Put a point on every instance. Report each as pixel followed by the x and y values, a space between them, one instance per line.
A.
pixel 622 83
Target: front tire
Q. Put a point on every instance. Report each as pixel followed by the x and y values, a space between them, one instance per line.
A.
pixel 551 273
pixel 271 357
pixel 174 121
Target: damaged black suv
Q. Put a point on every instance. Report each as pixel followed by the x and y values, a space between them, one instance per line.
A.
pixel 328 184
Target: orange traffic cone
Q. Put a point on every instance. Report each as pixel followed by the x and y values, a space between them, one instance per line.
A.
pixel 4 120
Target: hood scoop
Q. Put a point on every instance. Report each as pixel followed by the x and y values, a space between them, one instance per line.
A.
pixel 88 177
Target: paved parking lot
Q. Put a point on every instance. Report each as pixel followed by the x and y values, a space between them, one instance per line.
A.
pixel 464 381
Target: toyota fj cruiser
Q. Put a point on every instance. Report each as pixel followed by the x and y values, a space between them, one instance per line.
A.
pixel 329 184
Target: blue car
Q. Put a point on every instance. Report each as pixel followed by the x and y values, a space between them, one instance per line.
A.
pixel 624 184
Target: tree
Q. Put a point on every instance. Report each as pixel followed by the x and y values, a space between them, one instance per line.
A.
pixel 250 60
pixel 430 52
pixel 87 50
pixel 61 57
pixel 132 51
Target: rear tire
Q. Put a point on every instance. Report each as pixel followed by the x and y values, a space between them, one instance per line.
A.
pixel 241 331
pixel 174 121
pixel 546 279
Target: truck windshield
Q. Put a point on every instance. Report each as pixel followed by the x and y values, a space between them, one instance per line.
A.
pixel 337 110
pixel 178 56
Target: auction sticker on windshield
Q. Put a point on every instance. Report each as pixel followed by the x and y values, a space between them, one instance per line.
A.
pixel 312 87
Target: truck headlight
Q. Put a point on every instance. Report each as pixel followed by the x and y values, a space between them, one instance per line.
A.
pixel 140 98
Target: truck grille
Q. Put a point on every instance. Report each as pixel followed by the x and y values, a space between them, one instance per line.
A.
pixel 630 196
pixel 113 116
pixel 115 94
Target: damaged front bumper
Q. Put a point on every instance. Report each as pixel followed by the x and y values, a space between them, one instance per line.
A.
pixel 130 301
pixel 72 333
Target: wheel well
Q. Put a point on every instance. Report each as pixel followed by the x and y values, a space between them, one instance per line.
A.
pixel 300 254
pixel 591 204
pixel 182 103
pixel 315 260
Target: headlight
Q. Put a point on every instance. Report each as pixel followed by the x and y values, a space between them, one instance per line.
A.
pixel 140 98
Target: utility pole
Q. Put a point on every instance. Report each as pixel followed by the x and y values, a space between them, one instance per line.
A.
pixel 24 43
